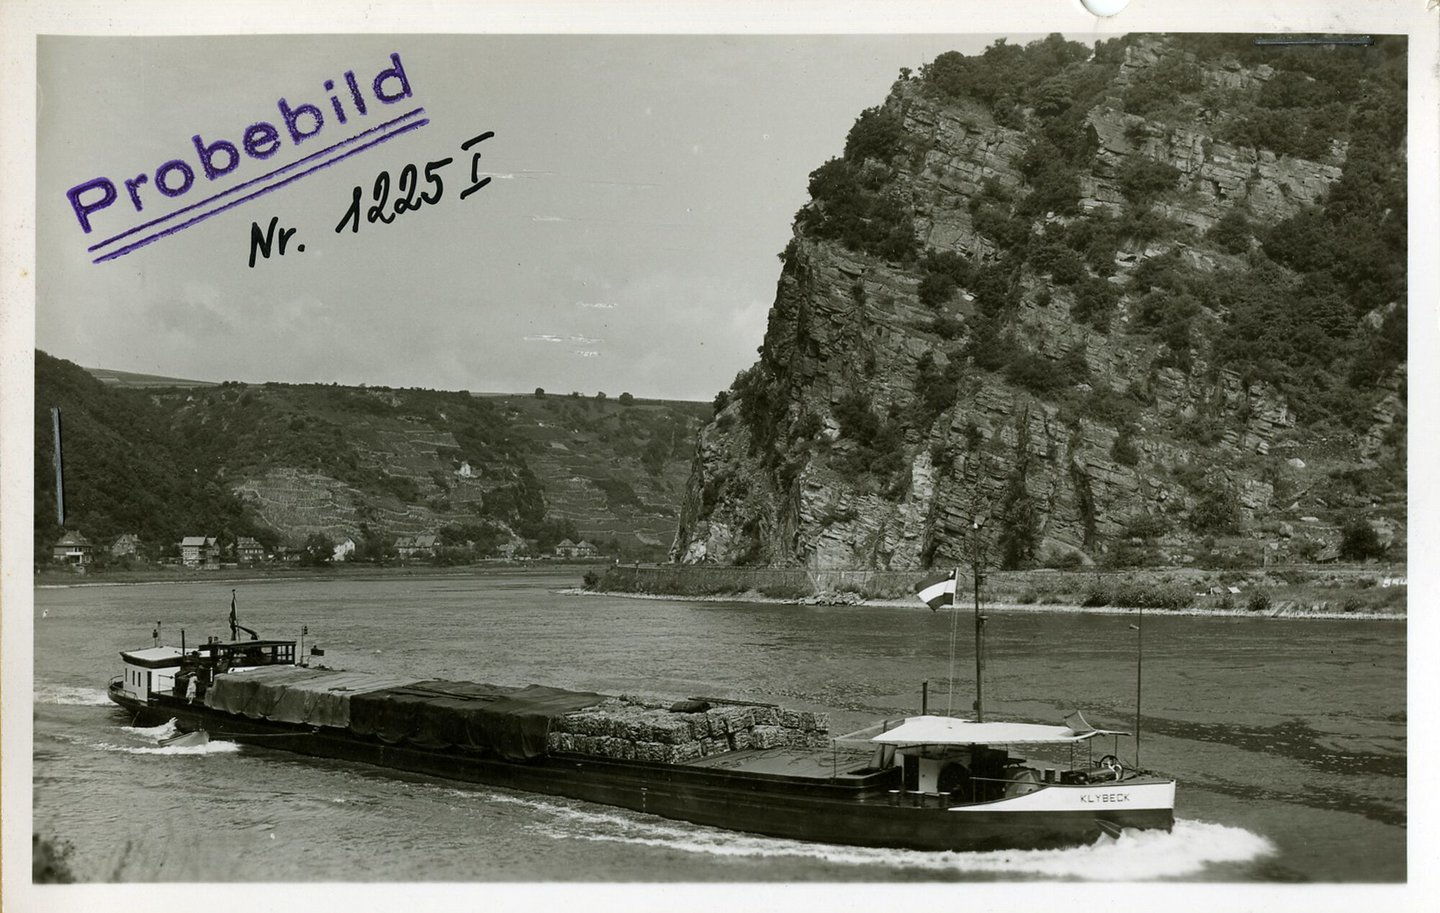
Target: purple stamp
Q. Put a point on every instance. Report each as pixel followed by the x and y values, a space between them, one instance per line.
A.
pixel 104 200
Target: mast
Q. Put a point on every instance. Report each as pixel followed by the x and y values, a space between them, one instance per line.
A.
pixel 1139 659
pixel 978 575
pixel 59 470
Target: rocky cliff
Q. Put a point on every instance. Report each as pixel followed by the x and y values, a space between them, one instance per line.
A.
pixel 1137 305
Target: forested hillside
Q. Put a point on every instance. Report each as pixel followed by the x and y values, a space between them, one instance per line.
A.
pixel 124 470
pixel 282 462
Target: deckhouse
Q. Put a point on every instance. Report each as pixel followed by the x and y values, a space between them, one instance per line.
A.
pixel 170 670
pixel 148 671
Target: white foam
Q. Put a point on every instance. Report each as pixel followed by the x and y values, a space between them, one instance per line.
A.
pixel 1133 856
pixel 207 748
pixel 164 731
pixel 70 695
pixel 154 735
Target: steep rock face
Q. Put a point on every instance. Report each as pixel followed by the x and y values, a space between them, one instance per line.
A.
pixel 963 149
pixel 1093 435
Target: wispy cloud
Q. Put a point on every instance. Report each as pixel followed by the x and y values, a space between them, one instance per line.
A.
pixel 517 175
pixel 649 223
pixel 551 337
pixel 587 353
pixel 602 305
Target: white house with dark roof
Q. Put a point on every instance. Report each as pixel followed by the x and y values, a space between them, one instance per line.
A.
pixel 73 548
pixel 199 551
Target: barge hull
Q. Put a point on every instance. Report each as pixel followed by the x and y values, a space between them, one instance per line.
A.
pixel 858 811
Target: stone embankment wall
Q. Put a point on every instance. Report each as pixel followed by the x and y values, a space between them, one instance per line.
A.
pixel 1312 586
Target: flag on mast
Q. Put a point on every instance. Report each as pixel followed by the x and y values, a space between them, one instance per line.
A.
pixel 233 620
pixel 937 591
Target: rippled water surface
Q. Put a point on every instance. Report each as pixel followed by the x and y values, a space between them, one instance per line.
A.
pixel 1287 737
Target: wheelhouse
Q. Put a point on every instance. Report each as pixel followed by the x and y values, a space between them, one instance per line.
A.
pixel 226 656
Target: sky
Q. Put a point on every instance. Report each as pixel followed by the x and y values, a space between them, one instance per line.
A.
pixel 641 189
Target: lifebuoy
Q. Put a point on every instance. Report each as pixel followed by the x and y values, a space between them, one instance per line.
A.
pixel 1112 764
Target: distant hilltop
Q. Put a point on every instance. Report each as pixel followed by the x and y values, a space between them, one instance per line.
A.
pixel 131 379
pixel 1141 304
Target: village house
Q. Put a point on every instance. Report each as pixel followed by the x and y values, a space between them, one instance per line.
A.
pixel 248 550
pixel 408 547
pixel 343 550
pixel 127 544
pixel 199 551
pixel 73 548
pixel 508 549
pixel 581 549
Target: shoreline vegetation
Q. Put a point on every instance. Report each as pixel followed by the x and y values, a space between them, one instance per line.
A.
pixel 1333 591
pixel 58 578
pixel 1358 591
pixel 1281 610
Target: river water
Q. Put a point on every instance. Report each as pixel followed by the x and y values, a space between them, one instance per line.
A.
pixel 1287 737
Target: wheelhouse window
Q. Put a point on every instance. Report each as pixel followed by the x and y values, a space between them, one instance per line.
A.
pixel 252 653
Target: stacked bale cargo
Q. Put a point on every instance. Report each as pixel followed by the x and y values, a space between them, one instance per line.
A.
pixel 631 728
pixel 516 723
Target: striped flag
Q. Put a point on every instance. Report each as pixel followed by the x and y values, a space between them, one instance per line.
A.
pixel 937 591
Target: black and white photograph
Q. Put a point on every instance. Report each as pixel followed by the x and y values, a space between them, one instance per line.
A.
pixel 709 456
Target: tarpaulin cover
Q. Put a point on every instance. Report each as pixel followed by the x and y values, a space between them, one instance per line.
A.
pixel 294 695
pixel 511 722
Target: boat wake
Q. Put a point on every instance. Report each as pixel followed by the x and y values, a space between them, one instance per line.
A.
pixel 170 750
pixel 149 739
pixel 70 695
pixel 1132 856
pixel 157 733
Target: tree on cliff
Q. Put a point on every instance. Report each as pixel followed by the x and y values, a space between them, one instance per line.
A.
pixel 1359 541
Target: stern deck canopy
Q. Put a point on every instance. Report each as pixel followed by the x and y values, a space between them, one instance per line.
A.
pixel 919 731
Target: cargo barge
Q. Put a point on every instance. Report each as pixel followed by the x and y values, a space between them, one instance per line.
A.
pixel 922 782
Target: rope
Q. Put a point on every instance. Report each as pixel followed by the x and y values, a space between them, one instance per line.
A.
pixel 258 735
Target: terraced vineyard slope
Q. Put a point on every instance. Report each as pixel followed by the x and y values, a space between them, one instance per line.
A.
pixel 283 463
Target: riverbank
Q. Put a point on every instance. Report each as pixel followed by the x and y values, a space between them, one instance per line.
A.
pixel 1359 591
pixel 61 578
pixel 1282 611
